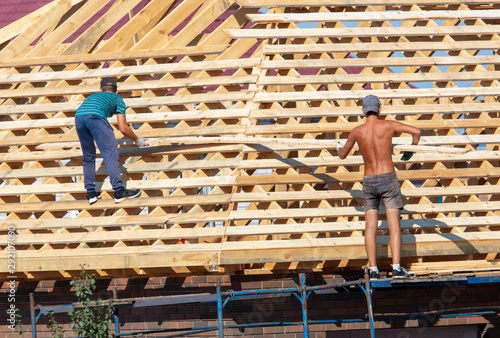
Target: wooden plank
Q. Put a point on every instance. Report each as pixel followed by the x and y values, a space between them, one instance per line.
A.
pixel 389 78
pixel 402 46
pixel 429 149
pixel 115 258
pixel 236 231
pixel 307 162
pixel 129 168
pixel 208 12
pixel 193 115
pixel 455 266
pixel 302 213
pixel 138 26
pixel 116 236
pixel 130 86
pixel 291 213
pixel 321 142
pixel 131 103
pixel 109 204
pixel 112 56
pixel 273 113
pixel 271 179
pixel 60 141
pixel 316 195
pixel 353 248
pixel 302 128
pixel 374 16
pixel 349 3
pixel 17 27
pixel 71 140
pixel 71 188
pixel 84 43
pixel 183 136
pixel 357 176
pixel 163 29
pixel 382 94
pixel 381 62
pixel 296 162
pixel 237 252
pixel 96 222
pixel 414 109
pixel 174 201
pixel 128 71
pixel 167 150
pixel 329 227
pixel 246 140
pixel 372 32
pixel 424 239
pixel 66 29
pixel 28 36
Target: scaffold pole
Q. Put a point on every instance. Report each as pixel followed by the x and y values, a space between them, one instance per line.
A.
pixel 303 301
pixel 219 311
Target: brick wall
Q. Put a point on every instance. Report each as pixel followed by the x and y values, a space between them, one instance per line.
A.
pixel 346 304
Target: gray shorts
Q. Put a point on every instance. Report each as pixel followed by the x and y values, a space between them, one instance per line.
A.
pixel 383 187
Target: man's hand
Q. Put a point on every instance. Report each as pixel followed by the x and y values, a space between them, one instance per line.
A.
pixel 407 155
pixel 339 146
pixel 141 142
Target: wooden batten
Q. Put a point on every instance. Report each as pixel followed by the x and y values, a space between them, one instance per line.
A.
pixel 242 112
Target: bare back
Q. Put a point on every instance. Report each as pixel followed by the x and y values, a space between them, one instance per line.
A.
pixel 374 139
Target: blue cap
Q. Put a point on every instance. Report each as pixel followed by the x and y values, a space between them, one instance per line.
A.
pixel 371 103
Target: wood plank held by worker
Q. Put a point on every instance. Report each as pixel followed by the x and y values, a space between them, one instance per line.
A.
pixel 397 148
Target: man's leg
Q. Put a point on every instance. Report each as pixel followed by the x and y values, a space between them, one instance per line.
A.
pixel 88 150
pixel 107 144
pixel 371 223
pixel 393 217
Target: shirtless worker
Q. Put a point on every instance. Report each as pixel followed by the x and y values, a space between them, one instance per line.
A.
pixel 380 182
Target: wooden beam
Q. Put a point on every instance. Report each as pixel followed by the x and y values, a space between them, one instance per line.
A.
pixel 130 103
pixel 17 27
pixel 381 62
pixel 382 94
pixel 397 110
pixel 127 71
pixel 112 56
pixel 402 46
pixel 374 16
pixel 372 32
pixel 350 3
pixel 130 86
pixel 388 78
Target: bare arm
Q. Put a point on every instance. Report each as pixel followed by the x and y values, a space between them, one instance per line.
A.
pixel 351 140
pixel 125 128
pixel 413 131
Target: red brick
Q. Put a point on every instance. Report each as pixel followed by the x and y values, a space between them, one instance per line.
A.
pixel 294 328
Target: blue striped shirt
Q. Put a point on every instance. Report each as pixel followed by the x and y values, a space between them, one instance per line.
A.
pixel 103 104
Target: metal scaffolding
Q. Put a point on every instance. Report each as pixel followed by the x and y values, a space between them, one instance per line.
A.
pixel 302 292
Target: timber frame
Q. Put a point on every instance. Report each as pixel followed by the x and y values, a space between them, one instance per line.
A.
pixel 242 110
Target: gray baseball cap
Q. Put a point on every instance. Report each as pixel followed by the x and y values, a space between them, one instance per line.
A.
pixel 108 81
pixel 371 103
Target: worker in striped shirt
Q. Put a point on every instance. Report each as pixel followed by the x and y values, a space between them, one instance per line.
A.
pixel 91 121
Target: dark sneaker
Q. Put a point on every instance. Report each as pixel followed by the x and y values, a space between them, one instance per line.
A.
pixel 126 193
pixel 400 273
pixel 93 196
pixel 374 275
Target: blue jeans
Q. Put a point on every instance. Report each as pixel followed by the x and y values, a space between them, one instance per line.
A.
pixel 92 128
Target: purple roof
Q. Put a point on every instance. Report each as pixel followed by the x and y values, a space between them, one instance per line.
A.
pixel 12 10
